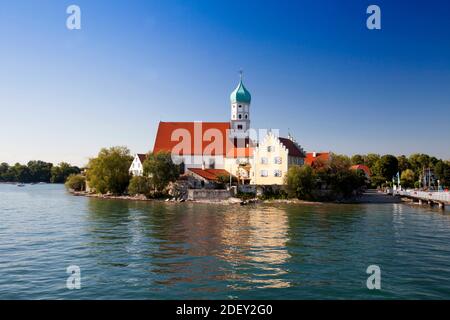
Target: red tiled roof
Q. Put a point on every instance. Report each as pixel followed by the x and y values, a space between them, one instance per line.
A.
pixel 171 134
pixel 293 149
pixel 142 157
pixel 312 157
pixel 363 168
pixel 210 174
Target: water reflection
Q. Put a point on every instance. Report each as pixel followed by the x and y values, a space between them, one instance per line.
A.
pixel 238 248
pixel 255 240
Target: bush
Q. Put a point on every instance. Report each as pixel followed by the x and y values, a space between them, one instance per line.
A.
pixel 76 182
pixel 161 170
pixel 300 182
pixel 139 185
pixel 345 182
pixel 109 171
pixel 274 194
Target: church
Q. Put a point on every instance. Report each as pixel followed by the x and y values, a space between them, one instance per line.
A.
pixel 208 150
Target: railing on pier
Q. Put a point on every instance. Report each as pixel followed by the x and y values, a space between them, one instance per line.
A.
pixel 443 197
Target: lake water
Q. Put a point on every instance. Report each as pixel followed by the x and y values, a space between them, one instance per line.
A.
pixel 136 250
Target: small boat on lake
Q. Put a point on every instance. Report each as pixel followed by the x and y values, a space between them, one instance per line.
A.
pixel 21 185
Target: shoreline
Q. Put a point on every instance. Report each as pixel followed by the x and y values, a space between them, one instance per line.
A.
pixel 366 198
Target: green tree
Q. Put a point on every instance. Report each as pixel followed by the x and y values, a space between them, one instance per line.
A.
pixel 357 159
pixel 403 163
pixel 371 159
pixel 442 171
pixel 108 172
pixel 418 162
pixel 19 173
pixel 378 181
pixel 40 171
pixel 161 170
pixel 300 181
pixel 224 180
pixel 140 185
pixel 60 173
pixel 386 167
pixel 339 162
pixel 407 178
pixel 76 182
pixel 4 167
pixel 345 182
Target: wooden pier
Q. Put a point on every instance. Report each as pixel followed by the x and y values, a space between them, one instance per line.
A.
pixel 432 198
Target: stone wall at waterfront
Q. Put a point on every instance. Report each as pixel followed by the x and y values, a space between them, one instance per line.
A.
pixel 208 194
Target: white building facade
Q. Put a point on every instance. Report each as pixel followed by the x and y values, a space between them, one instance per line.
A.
pixel 137 166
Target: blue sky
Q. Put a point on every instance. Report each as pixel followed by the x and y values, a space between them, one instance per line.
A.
pixel 311 66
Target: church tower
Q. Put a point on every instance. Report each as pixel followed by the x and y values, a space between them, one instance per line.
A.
pixel 240 100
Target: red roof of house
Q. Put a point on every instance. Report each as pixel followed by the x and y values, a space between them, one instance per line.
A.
pixel 312 157
pixel 293 149
pixel 210 174
pixel 193 138
pixel 363 168
pixel 200 138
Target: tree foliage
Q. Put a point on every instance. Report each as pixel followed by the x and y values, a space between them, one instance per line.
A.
pixel 39 171
pixel 161 170
pixel 140 185
pixel 108 172
pixel 60 173
pixel 407 178
pixel 301 181
pixel 76 182
pixel 386 167
pixel 36 171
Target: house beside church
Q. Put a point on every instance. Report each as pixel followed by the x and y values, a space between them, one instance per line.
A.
pixel 272 158
pixel 137 166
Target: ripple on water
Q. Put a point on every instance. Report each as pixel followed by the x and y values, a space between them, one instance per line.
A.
pixel 131 250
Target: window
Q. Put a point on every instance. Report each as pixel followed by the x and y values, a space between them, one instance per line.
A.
pixel 240 116
pixel 277 173
pixel 246 116
pixel 277 160
pixel 264 160
pixel 239 127
pixel 264 173
pixel 269 149
pixel 240 107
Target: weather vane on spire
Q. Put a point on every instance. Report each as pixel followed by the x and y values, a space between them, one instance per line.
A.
pixel 241 73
